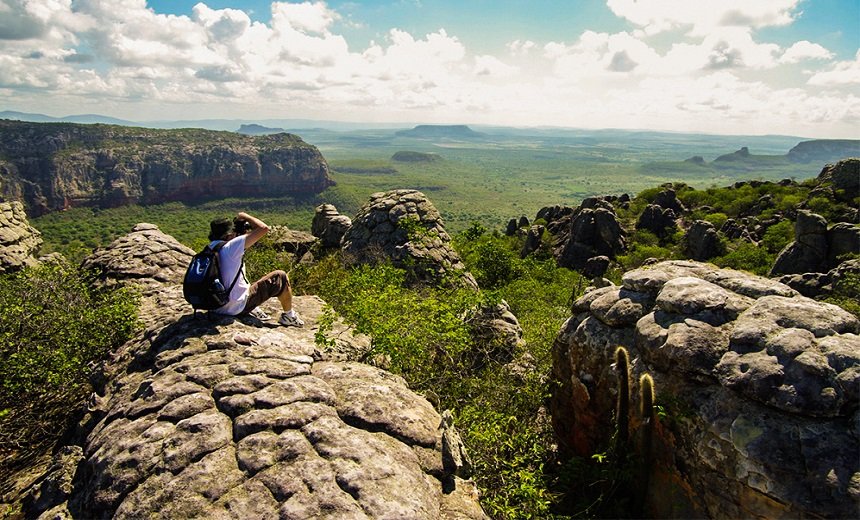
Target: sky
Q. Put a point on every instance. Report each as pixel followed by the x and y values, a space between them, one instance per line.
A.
pixel 751 67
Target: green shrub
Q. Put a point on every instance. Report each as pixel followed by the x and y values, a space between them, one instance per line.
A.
pixel 717 219
pixel 846 293
pixel 54 331
pixel 777 236
pixel 747 257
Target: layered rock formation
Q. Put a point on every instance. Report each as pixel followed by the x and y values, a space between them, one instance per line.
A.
pixel 758 387
pixel 405 227
pixel 234 418
pixel 590 230
pixel 19 242
pixel 51 166
pixel 816 249
pixel 329 225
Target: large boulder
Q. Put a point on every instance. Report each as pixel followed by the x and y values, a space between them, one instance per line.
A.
pixel 404 227
pixel 19 241
pixel 292 241
pixel 146 257
pixel 808 252
pixel 593 230
pixel 329 226
pixel 234 418
pixel 844 177
pixel 668 199
pixel 758 387
pixel 657 220
pixel 702 241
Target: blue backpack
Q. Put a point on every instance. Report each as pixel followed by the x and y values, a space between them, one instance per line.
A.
pixel 202 286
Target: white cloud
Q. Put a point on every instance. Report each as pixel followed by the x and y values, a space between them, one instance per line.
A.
pixel 305 17
pixel 123 55
pixel 842 73
pixel 703 16
pixel 521 47
pixel 805 50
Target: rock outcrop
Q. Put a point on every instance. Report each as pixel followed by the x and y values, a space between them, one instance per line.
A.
pixel 816 249
pixel 292 241
pixel 590 230
pixel 405 227
pixel 702 241
pixel 51 166
pixel 758 387
pixel 19 242
pixel 329 226
pixel 235 418
pixel 657 220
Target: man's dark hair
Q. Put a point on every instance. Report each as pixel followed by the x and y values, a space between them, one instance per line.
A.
pixel 219 228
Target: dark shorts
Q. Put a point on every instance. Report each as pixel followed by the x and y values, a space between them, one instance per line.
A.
pixel 269 286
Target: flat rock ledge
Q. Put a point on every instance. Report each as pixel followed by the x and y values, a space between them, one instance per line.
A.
pixel 238 418
pixel 758 386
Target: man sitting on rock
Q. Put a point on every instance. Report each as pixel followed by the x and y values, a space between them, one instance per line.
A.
pixel 240 235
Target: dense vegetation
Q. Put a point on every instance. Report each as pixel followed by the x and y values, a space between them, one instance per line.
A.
pixel 55 329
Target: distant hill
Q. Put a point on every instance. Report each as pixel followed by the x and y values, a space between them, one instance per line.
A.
pixel 82 118
pixel 824 150
pixel 255 129
pixel 407 156
pixel 440 132
pixel 740 155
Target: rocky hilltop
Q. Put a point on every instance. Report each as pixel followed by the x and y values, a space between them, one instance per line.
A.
pixel 758 386
pixel 52 166
pixel 824 150
pixel 232 418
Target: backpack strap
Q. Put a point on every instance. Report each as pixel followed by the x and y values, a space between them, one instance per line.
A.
pixel 217 250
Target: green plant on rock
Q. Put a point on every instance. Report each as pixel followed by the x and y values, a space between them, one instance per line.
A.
pixel 55 330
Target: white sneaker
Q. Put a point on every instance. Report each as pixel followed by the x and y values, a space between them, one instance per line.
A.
pixel 291 321
pixel 260 314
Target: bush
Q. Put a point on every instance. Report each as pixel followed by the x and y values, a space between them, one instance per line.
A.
pixel 846 293
pixel 747 257
pixel 778 236
pixel 54 331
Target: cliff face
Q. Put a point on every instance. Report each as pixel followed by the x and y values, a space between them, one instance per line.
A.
pixel 824 150
pixel 56 166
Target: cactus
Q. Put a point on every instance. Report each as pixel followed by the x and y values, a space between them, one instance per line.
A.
pixel 646 411
pixel 622 364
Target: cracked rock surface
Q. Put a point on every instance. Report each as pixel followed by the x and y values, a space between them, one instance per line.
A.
pixel 238 418
pixel 757 386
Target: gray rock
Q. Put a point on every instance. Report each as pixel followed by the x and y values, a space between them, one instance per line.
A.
pixel 226 418
pixel 596 266
pixel 511 228
pixel 844 177
pixel 591 232
pixel 668 199
pixel 329 226
pixel 758 385
pixel 496 331
pixel 405 227
pixel 658 220
pixel 842 239
pixel 702 241
pixel 297 243
pixel 146 257
pixel 533 240
pixel 808 253
pixel 19 242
